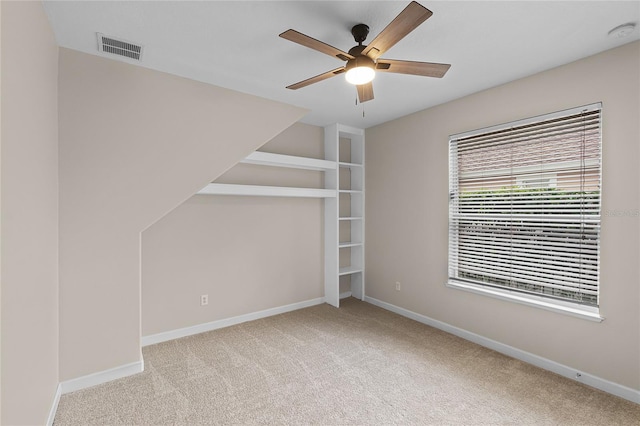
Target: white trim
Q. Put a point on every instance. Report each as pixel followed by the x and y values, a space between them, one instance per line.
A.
pixel 54 406
pixel 265 191
pixel 558 306
pixel 100 377
pixel 226 322
pixel 616 389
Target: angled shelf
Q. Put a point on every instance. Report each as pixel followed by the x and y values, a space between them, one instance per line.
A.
pixel 265 191
pixel 289 161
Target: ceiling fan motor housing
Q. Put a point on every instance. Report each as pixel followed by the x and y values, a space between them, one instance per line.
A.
pixel 357 50
pixel 360 61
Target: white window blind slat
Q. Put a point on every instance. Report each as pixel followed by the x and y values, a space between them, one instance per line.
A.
pixel 530 264
pixel 588 125
pixel 524 210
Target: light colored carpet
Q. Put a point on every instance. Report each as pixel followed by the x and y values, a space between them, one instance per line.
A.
pixel 355 365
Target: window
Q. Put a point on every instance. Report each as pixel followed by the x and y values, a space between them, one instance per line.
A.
pixel 524 212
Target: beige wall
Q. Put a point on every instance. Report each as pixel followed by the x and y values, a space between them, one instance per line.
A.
pixel 134 144
pixel 0 212
pixel 247 253
pixel 29 217
pixel 407 216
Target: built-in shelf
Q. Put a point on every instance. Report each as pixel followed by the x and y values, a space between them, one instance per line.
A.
pixel 349 165
pixel 266 191
pixel 345 146
pixel 290 161
pixel 349 270
pixel 276 160
pixel 345 244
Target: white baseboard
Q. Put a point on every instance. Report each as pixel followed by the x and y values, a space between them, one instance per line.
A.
pixel 630 394
pixel 54 406
pixel 102 376
pixel 214 325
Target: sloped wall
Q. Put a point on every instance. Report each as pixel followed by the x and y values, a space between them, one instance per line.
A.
pixel 247 253
pixel 29 215
pixel 134 144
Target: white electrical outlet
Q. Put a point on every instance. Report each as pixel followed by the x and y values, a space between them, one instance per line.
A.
pixel 397 285
pixel 204 299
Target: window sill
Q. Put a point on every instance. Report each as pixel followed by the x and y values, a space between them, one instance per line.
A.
pixel 566 308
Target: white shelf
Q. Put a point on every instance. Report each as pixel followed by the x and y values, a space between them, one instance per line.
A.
pixel 349 191
pixel 290 161
pixel 346 244
pixel 349 270
pixel 349 165
pixel 265 191
pixel 349 218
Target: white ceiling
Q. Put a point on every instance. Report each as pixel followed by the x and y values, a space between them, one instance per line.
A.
pixel 235 44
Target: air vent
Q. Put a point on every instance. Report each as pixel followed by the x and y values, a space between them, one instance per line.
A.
pixel 119 47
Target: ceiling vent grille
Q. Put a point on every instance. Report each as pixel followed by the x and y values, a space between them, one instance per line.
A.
pixel 119 47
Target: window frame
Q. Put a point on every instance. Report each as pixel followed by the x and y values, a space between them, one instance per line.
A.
pixel 539 301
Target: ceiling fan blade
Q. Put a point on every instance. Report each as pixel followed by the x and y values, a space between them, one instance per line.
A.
pixel 408 20
pixel 365 92
pixel 312 43
pixel 427 69
pixel 316 79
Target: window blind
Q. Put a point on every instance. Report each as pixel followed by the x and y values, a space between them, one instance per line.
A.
pixel 524 212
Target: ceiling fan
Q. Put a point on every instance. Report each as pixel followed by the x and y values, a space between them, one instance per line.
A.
pixel 364 60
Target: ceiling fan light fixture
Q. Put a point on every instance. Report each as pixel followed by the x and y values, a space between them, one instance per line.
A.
pixel 360 70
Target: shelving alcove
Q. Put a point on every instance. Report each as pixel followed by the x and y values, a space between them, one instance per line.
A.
pixel 344 214
pixel 343 195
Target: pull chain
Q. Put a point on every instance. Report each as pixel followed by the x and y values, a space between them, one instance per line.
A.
pixel 360 104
